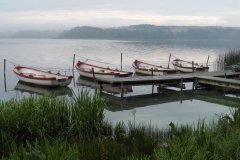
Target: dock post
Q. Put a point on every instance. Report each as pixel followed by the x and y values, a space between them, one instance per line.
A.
pixel 152 88
pixel 169 60
pixel 73 70
pixel 73 60
pixel 207 60
pixel 101 87
pixel 181 84
pixel 94 77
pixel 121 61
pixel 194 84
pixel 5 84
pixel 193 66
pixel 223 63
pixel 159 88
pixel 152 71
pixel 122 91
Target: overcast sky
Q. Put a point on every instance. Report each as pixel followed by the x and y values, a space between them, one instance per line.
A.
pixel 65 14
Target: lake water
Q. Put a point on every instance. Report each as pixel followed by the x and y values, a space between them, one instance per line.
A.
pixel 57 55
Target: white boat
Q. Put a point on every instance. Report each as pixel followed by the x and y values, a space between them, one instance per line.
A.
pixel 150 69
pixel 86 70
pixel 188 67
pixel 39 77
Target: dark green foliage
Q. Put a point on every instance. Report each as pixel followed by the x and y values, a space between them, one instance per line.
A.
pixel 53 128
pixel 232 57
pixel 217 141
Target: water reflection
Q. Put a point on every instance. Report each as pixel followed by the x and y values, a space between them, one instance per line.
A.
pixel 117 104
pixel 43 90
pixel 83 81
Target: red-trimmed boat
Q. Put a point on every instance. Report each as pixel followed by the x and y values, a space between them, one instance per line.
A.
pixel 86 70
pixel 188 67
pixel 40 77
pixel 150 69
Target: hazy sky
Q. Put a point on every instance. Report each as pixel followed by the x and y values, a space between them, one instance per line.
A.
pixel 64 14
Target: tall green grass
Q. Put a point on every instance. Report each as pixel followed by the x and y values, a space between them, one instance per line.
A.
pixel 59 128
pixel 36 118
pixel 220 140
pixel 232 57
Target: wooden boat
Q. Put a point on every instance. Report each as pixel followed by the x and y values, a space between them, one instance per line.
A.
pixel 150 69
pixel 39 77
pixel 188 67
pixel 86 70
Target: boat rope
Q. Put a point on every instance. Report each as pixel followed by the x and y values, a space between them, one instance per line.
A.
pixel 160 62
pixel 100 61
pixel 44 68
pixel 191 61
pixel 11 62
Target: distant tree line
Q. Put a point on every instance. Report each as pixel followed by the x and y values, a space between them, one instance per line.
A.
pixel 153 32
pixel 135 32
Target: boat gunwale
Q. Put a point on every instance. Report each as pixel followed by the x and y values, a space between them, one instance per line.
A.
pixel 152 69
pixel 196 66
pixel 17 69
pixel 114 72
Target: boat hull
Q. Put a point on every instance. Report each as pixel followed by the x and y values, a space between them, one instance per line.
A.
pixel 149 69
pixel 53 83
pixel 86 70
pixel 39 77
pixel 187 67
pixel 149 72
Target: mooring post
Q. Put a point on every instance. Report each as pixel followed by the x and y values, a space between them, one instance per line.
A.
pixel 169 60
pixel 152 71
pixel 5 84
pixel 121 61
pixel 122 91
pixel 152 88
pixel 159 88
pixel 94 77
pixel 207 60
pixel 193 66
pixel 223 63
pixel 194 84
pixel 101 87
pixel 74 83
pixel 181 84
pixel 73 60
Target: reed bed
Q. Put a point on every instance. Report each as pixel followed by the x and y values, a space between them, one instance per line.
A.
pixel 232 57
pixel 59 128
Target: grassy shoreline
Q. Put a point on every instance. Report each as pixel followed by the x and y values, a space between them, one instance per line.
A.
pixel 57 128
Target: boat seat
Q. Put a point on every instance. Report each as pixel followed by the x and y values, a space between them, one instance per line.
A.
pixel 101 70
pixel 29 74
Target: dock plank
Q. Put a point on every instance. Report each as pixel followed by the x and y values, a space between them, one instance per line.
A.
pixel 220 82
pixel 165 79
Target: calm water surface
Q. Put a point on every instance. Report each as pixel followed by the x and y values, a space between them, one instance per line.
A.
pixel 57 55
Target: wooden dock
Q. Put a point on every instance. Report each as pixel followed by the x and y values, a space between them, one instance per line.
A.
pixel 216 78
pixel 220 82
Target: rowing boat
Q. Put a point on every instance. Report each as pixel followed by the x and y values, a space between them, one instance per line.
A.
pixel 150 69
pixel 89 70
pixel 40 77
pixel 188 67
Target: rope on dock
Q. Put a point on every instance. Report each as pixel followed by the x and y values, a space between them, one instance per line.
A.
pixel 44 68
pixel 99 61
